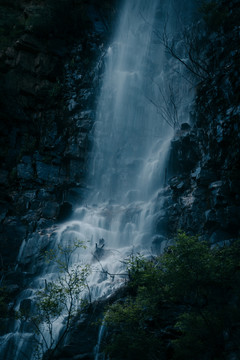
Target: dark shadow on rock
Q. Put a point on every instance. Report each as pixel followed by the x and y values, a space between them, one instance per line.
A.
pixel 65 211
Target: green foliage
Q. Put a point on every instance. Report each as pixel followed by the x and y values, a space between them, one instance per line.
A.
pixel 186 300
pixel 186 263
pixel 61 298
pixel 131 338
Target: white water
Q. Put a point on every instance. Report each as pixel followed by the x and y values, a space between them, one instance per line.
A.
pixel 129 157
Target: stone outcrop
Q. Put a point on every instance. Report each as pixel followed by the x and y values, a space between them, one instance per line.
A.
pixel 203 194
pixel 48 78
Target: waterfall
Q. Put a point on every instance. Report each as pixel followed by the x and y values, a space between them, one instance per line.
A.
pixel 128 162
pixel 97 355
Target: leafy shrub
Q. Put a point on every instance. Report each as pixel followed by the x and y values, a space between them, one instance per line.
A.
pixel 61 298
pixel 182 305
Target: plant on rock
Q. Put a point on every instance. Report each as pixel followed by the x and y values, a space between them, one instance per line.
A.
pixel 59 301
pixel 182 305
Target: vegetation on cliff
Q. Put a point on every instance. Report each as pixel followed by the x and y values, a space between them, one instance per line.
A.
pixel 182 305
pixel 61 298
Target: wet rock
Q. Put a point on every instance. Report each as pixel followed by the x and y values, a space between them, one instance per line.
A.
pixel 65 211
pixel 177 184
pixel 184 153
pixel 100 251
pixel 25 169
pixel 219 236
pixel 75 195
pixel 25 306
pixel 12 289
pixel 162 225
pixel 206 177
pixel 44 195
pixel 44 224
pixel 32 249
pixel 30 220
pixel 159 243
pixel 76 170
pixel 211 219
pixel 51 210
pixel 47 173
pixel 218 194
pixel 72 149
pixel 216 185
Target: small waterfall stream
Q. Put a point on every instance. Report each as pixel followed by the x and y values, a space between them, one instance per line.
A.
pixel 130 153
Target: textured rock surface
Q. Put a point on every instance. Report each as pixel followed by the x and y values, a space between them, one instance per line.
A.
pixel 204 161
pixel 48 75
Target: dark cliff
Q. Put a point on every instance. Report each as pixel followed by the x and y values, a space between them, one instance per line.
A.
pixel 50 63
pixel 204 161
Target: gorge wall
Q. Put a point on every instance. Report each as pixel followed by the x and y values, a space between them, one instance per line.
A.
pixel 205 158
pixel 50 64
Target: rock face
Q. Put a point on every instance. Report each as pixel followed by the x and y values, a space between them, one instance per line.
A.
pixel 202 195
pixel 48 78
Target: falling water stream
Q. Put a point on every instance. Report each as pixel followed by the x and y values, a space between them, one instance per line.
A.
pixel 128 164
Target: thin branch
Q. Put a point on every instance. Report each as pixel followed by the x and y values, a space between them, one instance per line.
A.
pixel 106 271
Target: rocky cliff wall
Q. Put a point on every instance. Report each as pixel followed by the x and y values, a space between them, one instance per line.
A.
pixel 203 195
pixel 49 72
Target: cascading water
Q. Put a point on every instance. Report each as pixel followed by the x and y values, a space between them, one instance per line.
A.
pixel 130 153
